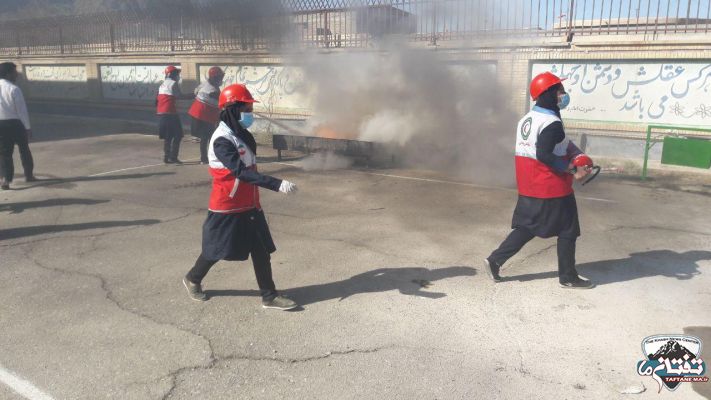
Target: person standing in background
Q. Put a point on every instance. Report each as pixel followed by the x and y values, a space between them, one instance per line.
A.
pixel 14 127
pixel 204 111
pixel 169 127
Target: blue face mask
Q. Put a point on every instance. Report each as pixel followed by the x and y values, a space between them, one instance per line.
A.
pixel 563 101
pixel 247 120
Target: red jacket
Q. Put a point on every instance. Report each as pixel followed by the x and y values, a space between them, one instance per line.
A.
pixel 165 102
pixel 230 194
pixel 205 107
pixel 534 178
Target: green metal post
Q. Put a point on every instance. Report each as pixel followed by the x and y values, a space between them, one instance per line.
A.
pixel 646 152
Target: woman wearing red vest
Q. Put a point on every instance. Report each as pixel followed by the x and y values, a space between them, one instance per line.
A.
pixel 544 173
pixel 235 227
pixel 204 110
pixel 169 127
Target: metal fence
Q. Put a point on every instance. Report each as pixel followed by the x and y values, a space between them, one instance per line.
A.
pixel 269 25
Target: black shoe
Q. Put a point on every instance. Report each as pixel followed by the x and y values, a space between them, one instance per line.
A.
pixel 492 270
pixel 31 178
pixel 280 303
pixel 578 283
pixel 203 162
pixel 194 290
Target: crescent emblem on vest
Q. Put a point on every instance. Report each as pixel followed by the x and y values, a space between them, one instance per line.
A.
pixel 526 128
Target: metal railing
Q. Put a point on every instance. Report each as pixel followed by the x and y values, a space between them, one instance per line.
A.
pixel 269 25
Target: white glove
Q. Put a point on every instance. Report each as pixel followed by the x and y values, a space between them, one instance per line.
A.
pixel 287 187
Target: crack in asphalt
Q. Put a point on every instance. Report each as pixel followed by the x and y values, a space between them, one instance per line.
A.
pixel 110 297
pixel 213 359
pixel 283 360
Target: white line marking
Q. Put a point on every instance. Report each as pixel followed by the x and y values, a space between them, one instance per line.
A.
pixel 24 388
pixel 452 183
pixel 439 181
pixel 131 168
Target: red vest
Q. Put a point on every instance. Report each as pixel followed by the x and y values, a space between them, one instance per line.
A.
pixel 166 97
pixel 205 107
pixel 534 178
pixel 229 194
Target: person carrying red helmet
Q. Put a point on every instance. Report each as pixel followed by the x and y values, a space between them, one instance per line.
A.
pixel 204 111
pixel 169 127
pixel 547 162
pixel 236 228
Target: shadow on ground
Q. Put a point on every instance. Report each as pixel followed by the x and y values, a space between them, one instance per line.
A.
pixel 666 263
pixel 15 233
pixel 16 208
pixel 411 281
pixel 69 183
pixel 703 333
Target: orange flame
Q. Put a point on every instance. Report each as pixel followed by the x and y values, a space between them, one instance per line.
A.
pixel 324 131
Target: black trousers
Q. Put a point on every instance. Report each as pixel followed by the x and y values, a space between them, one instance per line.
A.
pixel 520 236
pixel 12 133
pixel 170 129
pixel 202 130
pixel 261 260
pixel 171 147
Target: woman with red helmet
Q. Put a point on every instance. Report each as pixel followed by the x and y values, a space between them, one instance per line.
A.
pixel 546 164
pixel 204 111
pixel 236 228
pixel 170 128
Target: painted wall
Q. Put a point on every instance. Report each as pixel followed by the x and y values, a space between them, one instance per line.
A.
pixel 276 87
pixel 131 82
pixel 642 92
pixel 56 81
pixel 280 88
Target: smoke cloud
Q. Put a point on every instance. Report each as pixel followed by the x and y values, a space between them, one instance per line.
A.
pixel 325 161
pixel 449 117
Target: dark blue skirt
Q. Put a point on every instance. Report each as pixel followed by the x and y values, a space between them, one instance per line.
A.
pixel 547 217
pixel 169 126
pixel 233 236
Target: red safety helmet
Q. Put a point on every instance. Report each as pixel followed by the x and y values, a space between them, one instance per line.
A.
pixel 235 93
pixel 215 72
pixel 543 82
pixel 582 160
pixel 170 69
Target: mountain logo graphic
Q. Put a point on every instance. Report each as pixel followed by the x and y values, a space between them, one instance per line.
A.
pixel 672 359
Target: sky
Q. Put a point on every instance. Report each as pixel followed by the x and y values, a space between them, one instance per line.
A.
pixel 646 8
pixel 539 14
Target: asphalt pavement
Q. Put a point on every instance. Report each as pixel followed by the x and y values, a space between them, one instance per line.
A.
pixel 387 265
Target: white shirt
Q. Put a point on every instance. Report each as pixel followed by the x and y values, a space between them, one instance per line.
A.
pixel 12 103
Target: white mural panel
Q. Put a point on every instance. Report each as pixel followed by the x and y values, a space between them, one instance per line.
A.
pixel 131 82
pixel 56 81
pixel 473 70
pixel 670 93
pixel 276 87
